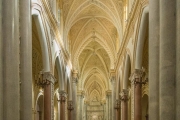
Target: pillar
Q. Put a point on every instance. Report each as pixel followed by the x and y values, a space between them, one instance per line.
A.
pixel 10 37
pixel 124 103
pixel 59 107
pixel 104 110
pixel 167 59
pixel 117 108
pixel 178 60
pixel 85 110
pixel 46 81
pixel 154 59
pixel 80 97
pixel 109 104
pixel 70 109
pixel 74 90
pixel 25 60
pixel 113 99
pixel 138 78
pixel 62 100
pixel 1 64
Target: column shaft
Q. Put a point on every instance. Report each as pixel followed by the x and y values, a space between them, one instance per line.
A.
pixel 117 108
pixel 10 36
pixel 110 107
pixel 74 99
pixel 137 102
pixel 25 60
pixel 168 59
pixel 124 110
pixel 124 101
pixel 80 100
pixel 113 99
pixel 154 59
pixel 1 64
pixel 70 109
pixel 47 102
pixel 117 114
pixel 178 60
pixel 62 105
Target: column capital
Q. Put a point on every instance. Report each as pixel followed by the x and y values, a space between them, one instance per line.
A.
pixel 117 104
pixel 124 95
pixel 81 93
pixel 86 102
pixel 108 93
pixel 49 76
pixel 139 76
pixel 74 76
pixel 70 106
pixel 112 75
pixel 45 78
pixel 62 96
pixel 103 102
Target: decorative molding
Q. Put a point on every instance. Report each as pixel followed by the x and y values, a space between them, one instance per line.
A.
pixel 108 93
pixel 62 96
pixel 124 95
pixel 138 77
pixel 45 78
pixel 70 106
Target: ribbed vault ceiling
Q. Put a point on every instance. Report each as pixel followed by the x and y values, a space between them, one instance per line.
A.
pixel 93 28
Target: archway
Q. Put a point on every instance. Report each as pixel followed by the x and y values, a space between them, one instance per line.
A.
pixel 145 107
pixel 141 63
pixel 40 108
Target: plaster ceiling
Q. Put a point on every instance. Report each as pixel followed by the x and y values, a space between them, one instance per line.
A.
pixel 92 27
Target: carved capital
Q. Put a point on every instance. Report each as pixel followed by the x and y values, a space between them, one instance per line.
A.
pixel 70 106
pixel 75 80
pixel 124 95
pixel 103 102
pixel 81 93
pixel 112 75
pixel 62 96
pixel 108 93
pixel 86 102
pixel 139 77
pixel 75 76
pixel 45 78
pixel 48 76
pixel 117 104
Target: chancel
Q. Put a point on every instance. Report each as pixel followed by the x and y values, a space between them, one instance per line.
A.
pixel 89 59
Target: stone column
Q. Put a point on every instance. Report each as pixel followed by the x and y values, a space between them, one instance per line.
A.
pixel 109 104
pixel 25 60
pixel 70 109
pixel 46 81
pixel 104 109
pixel 137 80
pixel 124 103
pixel 11 81
pixel 167 59
pixel 62 100
pixel 80 96
pixel 154 59
pixel 85 110
pixel 59 107
pixel 1 64
pixel 117 108
pixel 113 86
pixel 178 60
pixel 74 90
